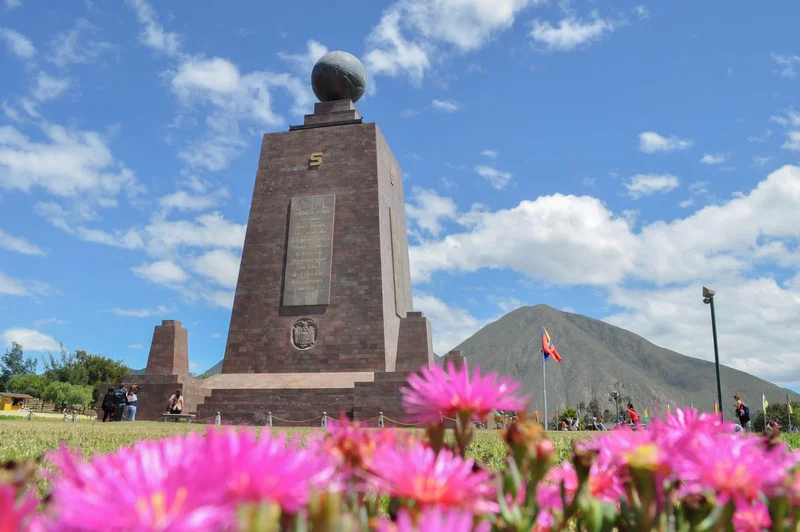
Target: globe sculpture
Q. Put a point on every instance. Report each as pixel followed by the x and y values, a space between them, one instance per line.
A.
pixel 338 76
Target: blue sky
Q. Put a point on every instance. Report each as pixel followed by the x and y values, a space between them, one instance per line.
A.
pixel 604 158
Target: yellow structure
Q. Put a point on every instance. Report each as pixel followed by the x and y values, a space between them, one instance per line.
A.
pixel 14 401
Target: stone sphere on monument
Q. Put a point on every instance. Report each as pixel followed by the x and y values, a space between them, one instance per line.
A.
pixel 338 76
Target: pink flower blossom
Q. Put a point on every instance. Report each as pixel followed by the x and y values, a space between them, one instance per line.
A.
pixel 16 514
pixel 446 480
pixel 752 519
pixel 190 482
pixel 436 520
pixel 605 484
pixel 434 391
pixel 352 446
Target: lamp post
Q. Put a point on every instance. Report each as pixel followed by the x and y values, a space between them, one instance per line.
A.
pixel 708 299
pixel 615 396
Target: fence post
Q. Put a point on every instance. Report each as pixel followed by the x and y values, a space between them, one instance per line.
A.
pixel 74 417
pixel 269 419
pixel 218 419
pixel 30 415
pixel 64 419
pixel 324 419
pixel 380 419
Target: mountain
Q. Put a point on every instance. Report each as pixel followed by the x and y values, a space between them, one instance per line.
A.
pixel 213 370
pixel 599 358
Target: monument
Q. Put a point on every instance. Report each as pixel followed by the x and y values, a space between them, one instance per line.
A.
pixel 322 317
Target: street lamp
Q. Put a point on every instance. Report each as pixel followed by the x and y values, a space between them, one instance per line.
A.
pixel 708 299
pixel 615 396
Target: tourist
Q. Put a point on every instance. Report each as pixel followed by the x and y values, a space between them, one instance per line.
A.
pixel 563 425
pixel 175 403
pixel 130 405
pixel 598 426
pixel 743 412
pixel 108 405
pixel 633 415
pixel 120 400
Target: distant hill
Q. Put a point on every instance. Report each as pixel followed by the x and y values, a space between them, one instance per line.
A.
pixel 213 370
pixel 599 358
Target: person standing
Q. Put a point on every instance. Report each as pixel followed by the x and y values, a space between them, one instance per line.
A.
pixel 743 413
pixel 108 405
pixel 120 400
pixel 130 404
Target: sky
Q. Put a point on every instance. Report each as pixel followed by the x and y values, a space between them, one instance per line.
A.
pixel 604 158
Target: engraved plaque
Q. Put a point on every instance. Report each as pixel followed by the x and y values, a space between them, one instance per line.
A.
pixel 397 265
pixel 308 257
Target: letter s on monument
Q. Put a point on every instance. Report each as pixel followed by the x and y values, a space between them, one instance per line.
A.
pixel 315 159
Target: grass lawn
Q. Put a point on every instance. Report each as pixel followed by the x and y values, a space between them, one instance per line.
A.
pixel 21 439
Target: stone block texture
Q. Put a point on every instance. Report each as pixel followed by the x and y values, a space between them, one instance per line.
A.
pixel 169 350
pixel 414 346
pixel 359 329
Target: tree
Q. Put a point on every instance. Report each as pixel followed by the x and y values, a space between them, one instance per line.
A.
pixel 778 412
pixel 14 363
pixel 63 394
pixel 84 369
pixel 31 384
pixel 66 369
pixel 594 408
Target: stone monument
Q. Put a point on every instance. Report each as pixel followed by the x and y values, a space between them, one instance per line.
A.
pixel 323 315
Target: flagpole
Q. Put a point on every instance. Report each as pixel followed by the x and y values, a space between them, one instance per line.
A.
pixel 544 387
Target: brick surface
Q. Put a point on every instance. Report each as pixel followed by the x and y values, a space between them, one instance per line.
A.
pixel 169 350
pixel 155 391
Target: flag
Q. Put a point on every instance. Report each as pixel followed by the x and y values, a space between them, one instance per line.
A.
pixel 716 407
pixel 789 403
pixel 646 415
pixel 548 348
pixel 764 400
pixel 668 410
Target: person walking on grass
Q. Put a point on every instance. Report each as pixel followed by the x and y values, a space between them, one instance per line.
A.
pixel 130 404
pixel 120 400
pixel 108 405
pixel 743 413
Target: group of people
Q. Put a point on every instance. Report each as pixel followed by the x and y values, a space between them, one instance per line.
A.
pixel 631 414
pixel 120 404
pixel 772 427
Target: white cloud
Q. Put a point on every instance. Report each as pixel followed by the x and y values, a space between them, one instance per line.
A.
pixel 161 272
pixel 220 298
pixel 761 137
pixel 761 161
pixel 686 203
pixel 18 244
pixel 649 184
pixel 219 265
pixel 429 210
pixel 304 63
pixel 652 142
pixel 164 237
pixel 74 47
pixel 48 321
pixel 184 201
pixel 787 65
pixel 17 43
pixel 153 35
pixel 491 154
pixel 13 4
pixel 571 32
pixel 413 34
pixel 135 346
pixel 67 164
pixel 714 158
pixel 497 178
pixel 642 11
pixel 160 310
pixel 48 87
pixel 446 106
pixel 450 325
pixel 16 287
pixel 30 340
pixel 409 112
pixel 791 121
pixel 216 335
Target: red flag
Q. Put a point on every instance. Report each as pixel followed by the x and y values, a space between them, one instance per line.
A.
pixel 548 349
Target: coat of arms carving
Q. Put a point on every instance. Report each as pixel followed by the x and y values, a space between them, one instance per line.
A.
pixel 304 334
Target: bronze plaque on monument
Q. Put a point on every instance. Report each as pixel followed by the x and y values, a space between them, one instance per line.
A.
pixel 397 266
pixel 308 256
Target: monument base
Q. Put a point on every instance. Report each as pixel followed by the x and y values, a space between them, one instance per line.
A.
pixel 155 391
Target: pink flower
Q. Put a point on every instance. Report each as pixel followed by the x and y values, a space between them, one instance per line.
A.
pixel 736 468
pixel 16 515
pixel 434 391
pixel 352 446
pixel 190 482
pixel 436 520
pixel 606 483
pixel 446 480
pixel 752 519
